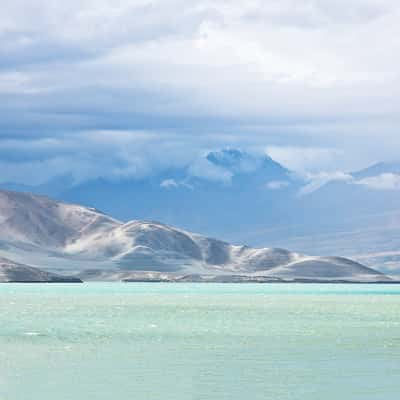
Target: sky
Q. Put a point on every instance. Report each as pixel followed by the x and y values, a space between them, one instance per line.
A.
pixel 123 88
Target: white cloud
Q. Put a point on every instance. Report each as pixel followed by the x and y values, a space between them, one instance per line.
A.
pixel 259 56
pixel 86 155
pixel 305 159
pixel 108 154
pixel 277 185
pixel 202 168
pixel 172 183
pixel 320 179
pixel 313 74
pixel 386 181
pixel 168 183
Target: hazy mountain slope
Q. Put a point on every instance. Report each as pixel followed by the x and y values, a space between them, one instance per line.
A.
pixel 53 188
pixel 350 219
pixel 341 217
pixel 53 233
pixel 43 222
pixel 227 181
pixel 259 205
pixel 203 198
pixel 372 240
pixel 314 267
pixel 11 271
pixel 377 169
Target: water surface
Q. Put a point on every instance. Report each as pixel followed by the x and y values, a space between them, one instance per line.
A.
pixel 167 341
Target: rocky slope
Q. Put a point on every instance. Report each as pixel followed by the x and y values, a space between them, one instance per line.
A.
pixel 71 239
pixel 11 271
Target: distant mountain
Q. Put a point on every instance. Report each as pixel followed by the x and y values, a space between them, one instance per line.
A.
pixel 241 164
pixel 54 187
pixel 72 239
pixel 358 218
pixel 250 199
pixel 230 190
pixel 225 192
pixel 377 169
pixel 10 271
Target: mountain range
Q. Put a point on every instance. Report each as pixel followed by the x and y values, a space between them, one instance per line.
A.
pixel 205 199
pixel 250 199
pixel 11 271
pixel 66 239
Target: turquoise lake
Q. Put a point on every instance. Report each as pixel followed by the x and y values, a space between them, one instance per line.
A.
pixel 166 341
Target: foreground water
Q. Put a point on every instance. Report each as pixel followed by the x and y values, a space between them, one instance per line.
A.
pixel 199 341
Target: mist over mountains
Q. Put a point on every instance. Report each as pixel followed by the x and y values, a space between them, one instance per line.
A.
pixel 251 199
pixel 190 197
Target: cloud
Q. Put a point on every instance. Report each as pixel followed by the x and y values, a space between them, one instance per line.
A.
pixel 110 154
pixel 311 78
pixel 169 183
pixel 138 44
pixel 88 155
pixel 387 181
pixel 320 179
pixel 305 159
pixel 172 183
pixel 277 185
pixel 202 168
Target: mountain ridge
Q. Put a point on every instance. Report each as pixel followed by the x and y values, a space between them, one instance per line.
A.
pixel 51 232
pixel 245 197
pixel 11 271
